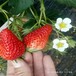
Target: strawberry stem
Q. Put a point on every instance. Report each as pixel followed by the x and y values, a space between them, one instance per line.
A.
pixel 23 13
pixel 2 10
pixel 40 18
pixel 51 21
pixel 58 33
pixel 33 26
pixel 42 13
pixel 33 13
pixel 4 3
pixel 42 10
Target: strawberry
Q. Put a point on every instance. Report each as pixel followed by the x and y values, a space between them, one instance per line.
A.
pixel 10 46
pixel 37 39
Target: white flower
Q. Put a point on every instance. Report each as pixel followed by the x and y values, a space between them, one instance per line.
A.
pixel 63 24
pixel 60 45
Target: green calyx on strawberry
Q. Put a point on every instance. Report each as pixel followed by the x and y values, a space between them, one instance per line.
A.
pixel 10 46
pixel 38 39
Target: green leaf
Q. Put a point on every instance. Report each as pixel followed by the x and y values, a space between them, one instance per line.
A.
pixel 20 5
pixel 71 3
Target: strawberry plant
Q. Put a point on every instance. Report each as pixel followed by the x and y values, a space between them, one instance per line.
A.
pixel 35 25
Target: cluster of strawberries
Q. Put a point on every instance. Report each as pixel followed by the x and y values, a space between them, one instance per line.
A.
pixel 11 47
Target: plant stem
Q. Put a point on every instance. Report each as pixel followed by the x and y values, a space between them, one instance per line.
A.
pixel 33 14
pixel 22 13
pixel 33 26
pixel 50 21
pixel 43 9
pixel 56 32
pixel 4 13
pixel 4 3
pixel 44 16
pixel 40 18
pixel 2 10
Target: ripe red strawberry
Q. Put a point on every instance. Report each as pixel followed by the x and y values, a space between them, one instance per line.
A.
pixel 37 39
pixel 10 46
